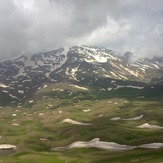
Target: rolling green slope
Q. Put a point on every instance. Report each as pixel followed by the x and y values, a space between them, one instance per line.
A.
pixel 37 126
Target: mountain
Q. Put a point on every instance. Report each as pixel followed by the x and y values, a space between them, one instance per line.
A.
pixel 99 68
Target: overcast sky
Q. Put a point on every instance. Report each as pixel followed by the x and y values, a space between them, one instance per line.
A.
pixel 29 26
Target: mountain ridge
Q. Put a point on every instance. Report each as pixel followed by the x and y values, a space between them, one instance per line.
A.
pixel 80 65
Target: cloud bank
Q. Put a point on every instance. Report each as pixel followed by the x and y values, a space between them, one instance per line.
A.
pixel 29 26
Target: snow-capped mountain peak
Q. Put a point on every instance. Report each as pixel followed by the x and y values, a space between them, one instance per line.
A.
pixel 25 74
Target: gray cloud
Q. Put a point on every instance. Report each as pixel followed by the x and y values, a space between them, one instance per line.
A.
pixel 122 25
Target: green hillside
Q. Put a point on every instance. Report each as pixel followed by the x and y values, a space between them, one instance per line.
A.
pixel 36 127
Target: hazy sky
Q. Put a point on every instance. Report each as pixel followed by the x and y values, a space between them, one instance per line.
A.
pixel 121 25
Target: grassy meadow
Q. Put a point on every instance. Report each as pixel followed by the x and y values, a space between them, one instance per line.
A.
pixel 35 128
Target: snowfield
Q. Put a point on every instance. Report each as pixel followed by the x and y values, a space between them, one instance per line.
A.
pixel 96 143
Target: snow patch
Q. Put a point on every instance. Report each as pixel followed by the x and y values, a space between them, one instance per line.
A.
pixel 13 96
pixel 127 86
pixel 7 146
pixel 4 91
pixel 86 110
pixel 79 87
pixel 128 119
pixel 21 91
pixel 15 124
pixel 60 111
pixel 74 122
pixel 152 145
pixel 147 125
pixel 107 76
pixel 3 85
pixel 100 59
pixel 45 86
pixel 95 143
pixel 31 101
pixel 109 89
pixel 134 118
pixel 41 114
pixel 115 118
